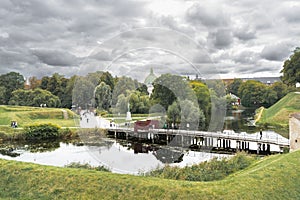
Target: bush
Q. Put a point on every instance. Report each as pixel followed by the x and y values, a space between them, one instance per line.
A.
pixel 215 169
pixel 67 133
pixel 87 166
pixel 42 131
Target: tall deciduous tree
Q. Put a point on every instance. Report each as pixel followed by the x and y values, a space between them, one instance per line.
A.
pixel 173 114
pixel 83 92
pixel 123 84
pixel 280 88
pixel 103 96
pixel 169 88
pixel 252 93
pixel 139 102
pixel 234 86
pixel 11 81
pixel 192 117
pixel 35 97
pixel 291 69
pixel 108 79
pixel 203 97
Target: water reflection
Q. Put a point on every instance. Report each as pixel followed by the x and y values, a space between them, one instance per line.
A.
pixel 119 156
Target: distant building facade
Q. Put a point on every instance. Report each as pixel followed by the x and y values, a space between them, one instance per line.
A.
pixel 265 80
pixel 294 126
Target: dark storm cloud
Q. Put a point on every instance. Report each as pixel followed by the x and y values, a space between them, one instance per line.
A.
pixel 276 52
pixel 220 39
pixel 39 37
pixel 55 57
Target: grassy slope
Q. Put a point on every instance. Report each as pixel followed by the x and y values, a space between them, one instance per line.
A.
pixel 28 115
pixel 279 112
pixel 275 177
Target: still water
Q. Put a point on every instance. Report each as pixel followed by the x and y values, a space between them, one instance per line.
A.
pixel 122 156
pixel 119 156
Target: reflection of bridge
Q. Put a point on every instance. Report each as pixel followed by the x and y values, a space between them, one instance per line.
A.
pixel 267 142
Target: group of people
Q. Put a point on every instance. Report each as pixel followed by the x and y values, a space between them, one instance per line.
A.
pixel 14 124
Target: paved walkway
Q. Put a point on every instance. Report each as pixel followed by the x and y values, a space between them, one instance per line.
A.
pixel 89 120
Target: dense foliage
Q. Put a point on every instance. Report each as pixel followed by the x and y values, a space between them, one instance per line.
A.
pixel 215 169
pixel 8 83
pixel 42 131
pixel 35 98
pixel 207 99
pixel 291 69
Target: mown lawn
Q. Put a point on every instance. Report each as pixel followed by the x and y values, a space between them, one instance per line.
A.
pixel 274 177
pixel 28 115
pixel 278 114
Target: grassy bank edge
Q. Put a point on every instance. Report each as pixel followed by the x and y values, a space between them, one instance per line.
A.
pixel 274 177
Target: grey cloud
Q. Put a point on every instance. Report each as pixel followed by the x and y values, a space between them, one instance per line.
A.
pixel 210 16
pixel 221 39
pixel 246 57
pixel 102 56
pixel 276 52
pixel 290 13
pixel 56 57
pixel 202 57
pixel 245 33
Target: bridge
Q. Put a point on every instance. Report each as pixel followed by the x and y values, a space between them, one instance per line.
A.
pixel 228 139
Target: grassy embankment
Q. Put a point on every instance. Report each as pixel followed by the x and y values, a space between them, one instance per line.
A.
pixel 273 177
pixel 278 114
pixel 32 115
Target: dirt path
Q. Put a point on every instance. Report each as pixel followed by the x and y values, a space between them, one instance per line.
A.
pixel 259 115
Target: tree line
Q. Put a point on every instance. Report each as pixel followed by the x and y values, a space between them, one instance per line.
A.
pixel 190 103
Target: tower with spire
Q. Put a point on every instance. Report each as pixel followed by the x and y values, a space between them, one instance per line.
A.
pixel 149 81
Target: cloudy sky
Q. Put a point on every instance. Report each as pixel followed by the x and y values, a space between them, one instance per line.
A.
pixel 228 38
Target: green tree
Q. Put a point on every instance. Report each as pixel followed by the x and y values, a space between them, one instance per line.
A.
pixel 280 88
pixel 121 106
pixel 103 96
pixel 252 93
pixel 2 95
pixel 191 116
pixel 35 97
pixel 169 88
pixel 108 79
pixel 44 82
pixel 270 97
pixel 203 97
pixel 234 86
pixel 291 69
pixel 83 92
pixel 11 81
pixel 123 84
pixel 139 102
pixel 173 114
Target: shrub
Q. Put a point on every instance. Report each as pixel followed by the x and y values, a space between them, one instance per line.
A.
pixel 42 131
pixel 87 166
pixel 214 169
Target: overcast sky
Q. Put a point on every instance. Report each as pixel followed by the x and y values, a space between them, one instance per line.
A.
pixel 228 38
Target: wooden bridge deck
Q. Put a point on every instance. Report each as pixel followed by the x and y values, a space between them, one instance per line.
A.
pixel 283 142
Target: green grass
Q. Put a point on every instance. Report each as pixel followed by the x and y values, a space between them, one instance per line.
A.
pixel 274 177
pixel 278 114
pixel 28 115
